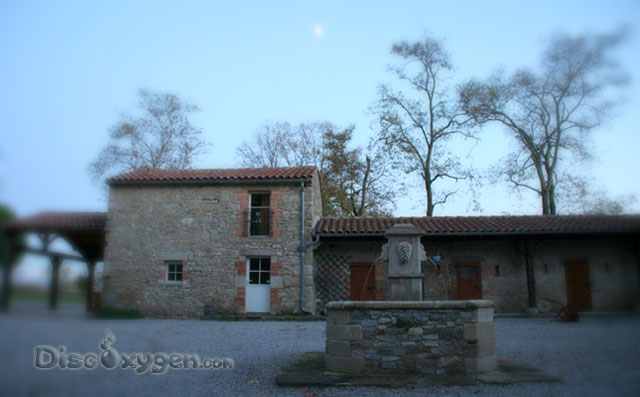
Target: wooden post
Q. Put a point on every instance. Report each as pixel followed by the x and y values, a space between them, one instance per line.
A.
pixel 56 261
pixel 6 274
pixel 531 276
pixel 91 265
pixel 6 285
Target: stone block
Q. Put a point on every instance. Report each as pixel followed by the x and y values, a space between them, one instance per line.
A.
pixel 346 365
pixel 338 317
pixel 276 282
pixel 486 347
pixel 479 331
pixel 484 315
pixel 344 332
pixel 449 361
pixel 480 364
pixel 339 348
pixel 415 331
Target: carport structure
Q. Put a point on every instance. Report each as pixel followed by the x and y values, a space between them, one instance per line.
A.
pixel 84 231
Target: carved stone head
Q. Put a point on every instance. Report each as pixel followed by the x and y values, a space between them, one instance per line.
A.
pixel 404 251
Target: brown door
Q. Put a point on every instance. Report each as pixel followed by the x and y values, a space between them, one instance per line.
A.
pixel 363 281
pixel 469 280
pixel 578 284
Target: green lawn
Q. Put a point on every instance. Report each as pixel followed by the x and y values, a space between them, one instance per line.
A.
pixel 43 296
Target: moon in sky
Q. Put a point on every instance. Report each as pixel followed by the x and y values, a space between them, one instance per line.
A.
pixel 319 30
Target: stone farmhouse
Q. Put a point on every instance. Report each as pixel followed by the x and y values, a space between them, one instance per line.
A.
pixel 185 243
pixel 180 242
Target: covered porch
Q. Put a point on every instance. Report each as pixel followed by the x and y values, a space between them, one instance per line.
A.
pixel 83 231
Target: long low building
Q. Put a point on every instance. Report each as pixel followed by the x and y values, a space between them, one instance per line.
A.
pixel 520 262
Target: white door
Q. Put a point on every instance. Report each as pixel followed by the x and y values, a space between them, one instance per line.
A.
pixel 258 296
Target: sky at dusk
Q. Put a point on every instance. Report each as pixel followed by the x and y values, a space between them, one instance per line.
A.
pixel 70 68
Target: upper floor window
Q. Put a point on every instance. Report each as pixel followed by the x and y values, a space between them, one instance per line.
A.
pixel 260 214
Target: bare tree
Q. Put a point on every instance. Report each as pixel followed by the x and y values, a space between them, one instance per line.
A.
pixel 415 128
pixel 162 136
pixel 551 111
pixel 581 195
pixel 352 183
pixel 280 144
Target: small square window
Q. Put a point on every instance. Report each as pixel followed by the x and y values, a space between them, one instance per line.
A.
pixel 174 271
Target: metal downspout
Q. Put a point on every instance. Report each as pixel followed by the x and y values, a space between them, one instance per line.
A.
pixel 303 249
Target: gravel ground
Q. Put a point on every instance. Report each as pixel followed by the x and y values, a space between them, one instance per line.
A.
pixel 597 356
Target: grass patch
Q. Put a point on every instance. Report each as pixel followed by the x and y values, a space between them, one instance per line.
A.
pixel 117 313
pixel 43 296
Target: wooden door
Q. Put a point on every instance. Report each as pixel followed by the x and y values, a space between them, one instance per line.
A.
pixel 363 281
pixel 578 284
pixel 469 280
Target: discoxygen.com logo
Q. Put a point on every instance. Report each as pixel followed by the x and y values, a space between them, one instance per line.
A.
pixel 50 357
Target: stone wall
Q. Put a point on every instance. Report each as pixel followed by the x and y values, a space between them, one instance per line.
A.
pixel 203 227
pixel 426 337
pixel 612 267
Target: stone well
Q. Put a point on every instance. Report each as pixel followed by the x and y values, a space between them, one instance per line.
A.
pixel 411 337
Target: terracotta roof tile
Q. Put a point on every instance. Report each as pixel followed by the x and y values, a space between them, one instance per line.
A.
pixel 485 224
pixel 53 221
pixel 223 174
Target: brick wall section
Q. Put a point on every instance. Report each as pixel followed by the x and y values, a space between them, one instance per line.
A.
pixel 201 225
pixel 428 338
pixel 612 268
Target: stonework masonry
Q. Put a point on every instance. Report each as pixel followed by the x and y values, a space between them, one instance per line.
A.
pixel 428 337
pixel 202 227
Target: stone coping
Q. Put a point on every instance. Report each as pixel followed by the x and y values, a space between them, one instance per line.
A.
pixel 391 305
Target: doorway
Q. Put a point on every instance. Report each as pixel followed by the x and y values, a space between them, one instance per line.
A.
pixel 469 280
pixel 363 281
pixel 578 284
pixel 258 296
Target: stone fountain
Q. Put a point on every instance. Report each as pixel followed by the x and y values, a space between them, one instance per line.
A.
pixel 405 334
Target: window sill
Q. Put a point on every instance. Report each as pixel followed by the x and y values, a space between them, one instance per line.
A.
pixel 165 282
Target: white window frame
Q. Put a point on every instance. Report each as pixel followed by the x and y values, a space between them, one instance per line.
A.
pixel 167 265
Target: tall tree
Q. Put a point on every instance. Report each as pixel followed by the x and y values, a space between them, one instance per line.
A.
pixel 550 111
pixel 352 183
pixel 415 127
pixel 159 136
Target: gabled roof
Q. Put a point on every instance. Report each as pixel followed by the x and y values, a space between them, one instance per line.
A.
pixel 484 225
pixel 61 221
pixel 155 175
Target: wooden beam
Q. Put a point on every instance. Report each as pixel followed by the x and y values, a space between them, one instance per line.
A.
pixel 52 254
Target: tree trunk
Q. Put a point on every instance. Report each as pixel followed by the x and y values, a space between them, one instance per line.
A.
pixel 552 200
pixel 429 198
pixel 544 196
pixel 363 199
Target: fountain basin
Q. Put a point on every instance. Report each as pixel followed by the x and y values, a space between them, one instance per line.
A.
pixel 411 337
